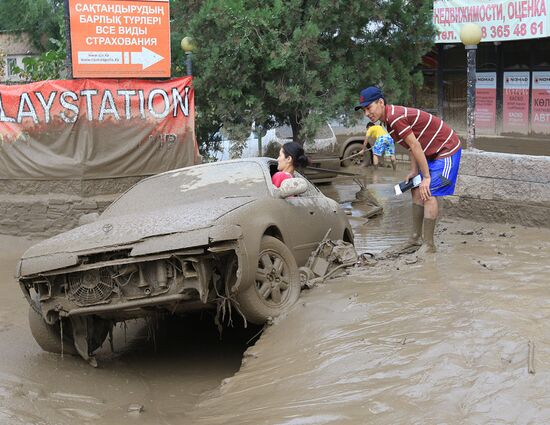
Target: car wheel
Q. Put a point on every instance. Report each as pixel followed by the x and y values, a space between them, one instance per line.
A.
pixel 48 336
pixel 352 150
pixel 276 286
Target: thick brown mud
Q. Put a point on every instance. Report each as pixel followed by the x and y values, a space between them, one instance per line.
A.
pixel 444 339
pixel 441 339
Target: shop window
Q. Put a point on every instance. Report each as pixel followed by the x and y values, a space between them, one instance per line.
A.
pixel 486 59
pixel 454 105
pixel 430 60
pixel 541 49
pixel 515 54
pixel 454 56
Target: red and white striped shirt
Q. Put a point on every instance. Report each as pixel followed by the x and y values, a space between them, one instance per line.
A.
pixel 437 139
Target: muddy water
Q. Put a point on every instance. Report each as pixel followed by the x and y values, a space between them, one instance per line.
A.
pixel 379 232
pixel 440 340
pixel 166 375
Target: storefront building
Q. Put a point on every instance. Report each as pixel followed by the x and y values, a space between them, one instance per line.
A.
pixel 513 72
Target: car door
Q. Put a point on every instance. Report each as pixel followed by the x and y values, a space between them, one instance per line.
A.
pixel 314 215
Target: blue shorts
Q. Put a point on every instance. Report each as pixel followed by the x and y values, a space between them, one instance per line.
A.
pixel 444 173
pixel 384 145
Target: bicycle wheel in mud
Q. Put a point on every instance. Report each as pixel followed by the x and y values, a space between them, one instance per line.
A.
pixel 277 284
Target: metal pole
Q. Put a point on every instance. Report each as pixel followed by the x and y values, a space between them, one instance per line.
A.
pixel 471 95
pixel 69 58
pixel 188 64
pixel 260 133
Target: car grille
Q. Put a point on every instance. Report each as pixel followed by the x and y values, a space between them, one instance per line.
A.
pixel 90 287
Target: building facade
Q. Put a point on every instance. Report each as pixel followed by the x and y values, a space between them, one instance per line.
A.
pixel 14 47
pixel 513 72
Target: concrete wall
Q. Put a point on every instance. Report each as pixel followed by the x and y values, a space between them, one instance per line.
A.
pixel 46 208
pixel 502 187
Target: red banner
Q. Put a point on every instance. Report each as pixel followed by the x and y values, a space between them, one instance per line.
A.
pixel 540 106
pixel 515 108
pixel 96 128
pixel 486 102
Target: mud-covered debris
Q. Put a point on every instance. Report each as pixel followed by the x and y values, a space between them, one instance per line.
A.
pixel 463 233
pixel 485 265
pixel 367 259
pixel 505 235
pixel 374 211
pixel 135 408
pixel 531 358
pixel 250 355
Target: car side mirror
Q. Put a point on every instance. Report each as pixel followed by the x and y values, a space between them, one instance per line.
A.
pixel 88 218
pixel 292 187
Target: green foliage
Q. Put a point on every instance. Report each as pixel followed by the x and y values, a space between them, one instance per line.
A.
pixel 41 19
pixel 49 65
pixel 298 62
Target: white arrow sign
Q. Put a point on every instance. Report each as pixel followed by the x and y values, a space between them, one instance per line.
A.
pixel 146 58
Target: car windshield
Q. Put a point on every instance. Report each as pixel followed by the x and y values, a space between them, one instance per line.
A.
pixel 194 184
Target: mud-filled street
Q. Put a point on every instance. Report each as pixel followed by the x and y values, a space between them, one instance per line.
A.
pixel 441 339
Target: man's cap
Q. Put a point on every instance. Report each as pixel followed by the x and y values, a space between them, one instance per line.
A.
pixel 369 95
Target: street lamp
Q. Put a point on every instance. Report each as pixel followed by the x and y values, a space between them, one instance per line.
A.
pixel 470 35
pixel 188 45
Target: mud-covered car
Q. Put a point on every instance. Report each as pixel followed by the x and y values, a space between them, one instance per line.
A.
pixel 213 235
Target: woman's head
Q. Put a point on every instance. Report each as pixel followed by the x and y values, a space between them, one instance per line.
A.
pixel 291 156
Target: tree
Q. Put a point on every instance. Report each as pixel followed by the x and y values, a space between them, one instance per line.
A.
pixel 41 19
pixel 299 62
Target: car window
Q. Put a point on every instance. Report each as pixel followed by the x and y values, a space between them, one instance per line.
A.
pixel 193 184
pixel 311 189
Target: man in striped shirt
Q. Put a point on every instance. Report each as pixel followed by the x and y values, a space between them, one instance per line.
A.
pixel 435 152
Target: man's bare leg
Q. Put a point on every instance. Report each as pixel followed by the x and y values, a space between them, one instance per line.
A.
pixel 375 161
pixel 393 162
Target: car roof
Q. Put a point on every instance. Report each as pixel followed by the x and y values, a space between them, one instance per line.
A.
pixel 262 161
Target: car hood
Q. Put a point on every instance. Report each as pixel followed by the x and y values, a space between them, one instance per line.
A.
pixel 128 229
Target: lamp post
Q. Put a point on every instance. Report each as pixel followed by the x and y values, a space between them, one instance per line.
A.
pixel 188 45
pixel 470 35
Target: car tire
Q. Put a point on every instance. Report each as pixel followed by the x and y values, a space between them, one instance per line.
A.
pixel 276 287
pixel 48 337
pixel 352 149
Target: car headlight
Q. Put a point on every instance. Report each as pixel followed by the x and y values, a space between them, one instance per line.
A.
pixel 18 269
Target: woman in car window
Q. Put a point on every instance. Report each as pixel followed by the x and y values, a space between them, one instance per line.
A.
pixel 291 156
